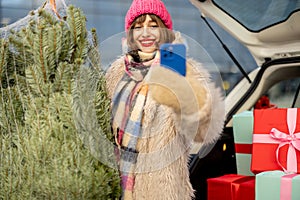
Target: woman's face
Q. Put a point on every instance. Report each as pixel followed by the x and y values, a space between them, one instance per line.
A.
pixel 146 35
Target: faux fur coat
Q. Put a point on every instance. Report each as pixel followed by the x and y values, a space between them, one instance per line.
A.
pixel 162 162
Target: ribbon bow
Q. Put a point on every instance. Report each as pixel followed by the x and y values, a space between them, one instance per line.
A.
pixel 292 139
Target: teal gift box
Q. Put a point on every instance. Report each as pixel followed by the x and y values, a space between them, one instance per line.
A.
pixel 277 185
pixel 242 133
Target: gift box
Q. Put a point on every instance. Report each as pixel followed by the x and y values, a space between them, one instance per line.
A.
pixel 247 189
pixel 242 133
pixel 231 187
pixel 277 185
pixel 276 140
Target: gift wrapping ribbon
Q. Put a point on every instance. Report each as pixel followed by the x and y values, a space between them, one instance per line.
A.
pixel 243 148
pixel 282 139
pixel 286 186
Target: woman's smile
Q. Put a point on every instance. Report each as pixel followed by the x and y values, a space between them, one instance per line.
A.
pixel 147 42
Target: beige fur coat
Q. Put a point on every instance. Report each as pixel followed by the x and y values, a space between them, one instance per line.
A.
pixel 162 164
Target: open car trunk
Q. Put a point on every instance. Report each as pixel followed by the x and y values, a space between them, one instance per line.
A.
pixel 270 30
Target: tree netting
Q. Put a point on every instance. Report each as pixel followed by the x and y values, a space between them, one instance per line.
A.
pixel 33 15
pixel 55 135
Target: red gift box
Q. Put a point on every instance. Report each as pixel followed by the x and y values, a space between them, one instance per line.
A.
pixel 231 187
pixel 247 190
pixel 276 140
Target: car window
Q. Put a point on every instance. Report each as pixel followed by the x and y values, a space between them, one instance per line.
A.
pixel 284 94
pixel 256 15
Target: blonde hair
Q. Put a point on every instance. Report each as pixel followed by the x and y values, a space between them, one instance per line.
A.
pixel 166 35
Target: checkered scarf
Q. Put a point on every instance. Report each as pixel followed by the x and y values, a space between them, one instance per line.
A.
pixel 127 109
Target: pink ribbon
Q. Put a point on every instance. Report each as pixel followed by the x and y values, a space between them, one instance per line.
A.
pixel 286 186
pixel 281 138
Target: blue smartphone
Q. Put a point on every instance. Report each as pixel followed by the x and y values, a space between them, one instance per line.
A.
pixel 173 56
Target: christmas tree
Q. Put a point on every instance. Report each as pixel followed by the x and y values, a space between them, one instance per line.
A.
pixel 55 136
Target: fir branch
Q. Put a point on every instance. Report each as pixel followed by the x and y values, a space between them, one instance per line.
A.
pixel 34 81
pixel 57 43
pixel 72 24
pixel 77 23
pixel 25 56
pixel 48 19
pixel 65 43
pixel 51 51
pixel 40 51
pixel 29 34
pixel 94 38
pixel 59 75
pixel 3 57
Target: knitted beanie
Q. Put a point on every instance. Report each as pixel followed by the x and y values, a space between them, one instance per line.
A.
pixel 139 7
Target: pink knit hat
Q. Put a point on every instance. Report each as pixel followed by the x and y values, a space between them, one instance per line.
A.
pixel 139 7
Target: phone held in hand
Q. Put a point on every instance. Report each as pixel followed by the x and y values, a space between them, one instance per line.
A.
pixel 173 56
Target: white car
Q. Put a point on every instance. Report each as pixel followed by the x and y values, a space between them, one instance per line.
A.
pixel 271 32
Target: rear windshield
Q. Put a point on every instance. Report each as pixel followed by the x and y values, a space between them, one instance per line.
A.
pixel 257 15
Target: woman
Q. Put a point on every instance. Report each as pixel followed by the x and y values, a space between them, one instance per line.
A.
pixel 156 112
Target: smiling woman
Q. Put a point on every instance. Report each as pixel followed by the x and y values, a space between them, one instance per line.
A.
pixel 157 114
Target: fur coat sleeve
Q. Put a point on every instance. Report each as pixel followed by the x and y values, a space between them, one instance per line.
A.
pixel 197 103
pixel 211 113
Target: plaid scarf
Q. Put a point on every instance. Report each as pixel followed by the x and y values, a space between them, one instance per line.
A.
pixel 127 112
